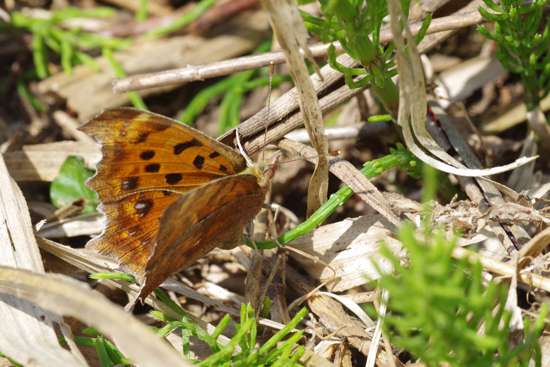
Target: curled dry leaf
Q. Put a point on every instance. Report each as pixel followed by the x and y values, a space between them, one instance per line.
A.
pixel 291 34
pixel 413 104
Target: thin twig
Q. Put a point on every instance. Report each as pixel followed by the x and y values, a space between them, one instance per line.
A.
pixel 202 72
pixel 294 121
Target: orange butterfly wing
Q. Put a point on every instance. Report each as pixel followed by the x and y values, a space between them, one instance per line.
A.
pixel 148 162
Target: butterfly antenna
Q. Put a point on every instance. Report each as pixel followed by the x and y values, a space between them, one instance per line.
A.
pixel 331 154
pixel 246 157
pixel 271 69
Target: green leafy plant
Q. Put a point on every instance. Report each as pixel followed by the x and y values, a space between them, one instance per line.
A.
pixel 69 185
pixel 521 49
pixel 350 23
pixel 438 304
pixel 47 33
pixel 269 354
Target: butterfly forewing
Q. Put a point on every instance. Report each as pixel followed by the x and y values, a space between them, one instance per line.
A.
pixel 144 151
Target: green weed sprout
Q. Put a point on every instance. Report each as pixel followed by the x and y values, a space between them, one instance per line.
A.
pixel 47 33
pixel 437 305
pixel 521 49
pixel 245 337
pixel 268 354
pixel 108 354
pixel 345 21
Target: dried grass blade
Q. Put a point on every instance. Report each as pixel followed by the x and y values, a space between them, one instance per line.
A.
pixel 27 334
pixel 291 34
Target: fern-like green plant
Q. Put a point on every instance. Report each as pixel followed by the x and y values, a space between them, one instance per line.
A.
pixel 521 49
pixel 351 23
pixel 437 305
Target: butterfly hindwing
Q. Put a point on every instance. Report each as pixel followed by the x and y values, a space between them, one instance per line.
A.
pixel 213 215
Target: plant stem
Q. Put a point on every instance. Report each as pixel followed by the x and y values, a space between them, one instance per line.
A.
pixel 371 169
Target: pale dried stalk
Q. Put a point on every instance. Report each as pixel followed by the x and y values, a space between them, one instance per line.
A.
pixel 41 162
pixel 533 248
pixel 280 129
pixel 27 334
pixel 287 103
pixel 291 33
pixel 65 296
pixel 500 268
pixel 69 124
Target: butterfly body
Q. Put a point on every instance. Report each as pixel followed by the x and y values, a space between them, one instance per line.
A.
pixel 170 193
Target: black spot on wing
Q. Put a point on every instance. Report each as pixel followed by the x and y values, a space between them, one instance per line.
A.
pixel 130 183
pixel 214 155
pixel 223 168
pixel 148 154
pixel 188 144
pixel 198 162
pixel 152 168
pixel 173 178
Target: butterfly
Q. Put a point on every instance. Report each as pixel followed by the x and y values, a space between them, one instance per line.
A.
pixel 170 193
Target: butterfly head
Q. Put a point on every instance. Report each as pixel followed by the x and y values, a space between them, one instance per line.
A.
pixel 264 170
